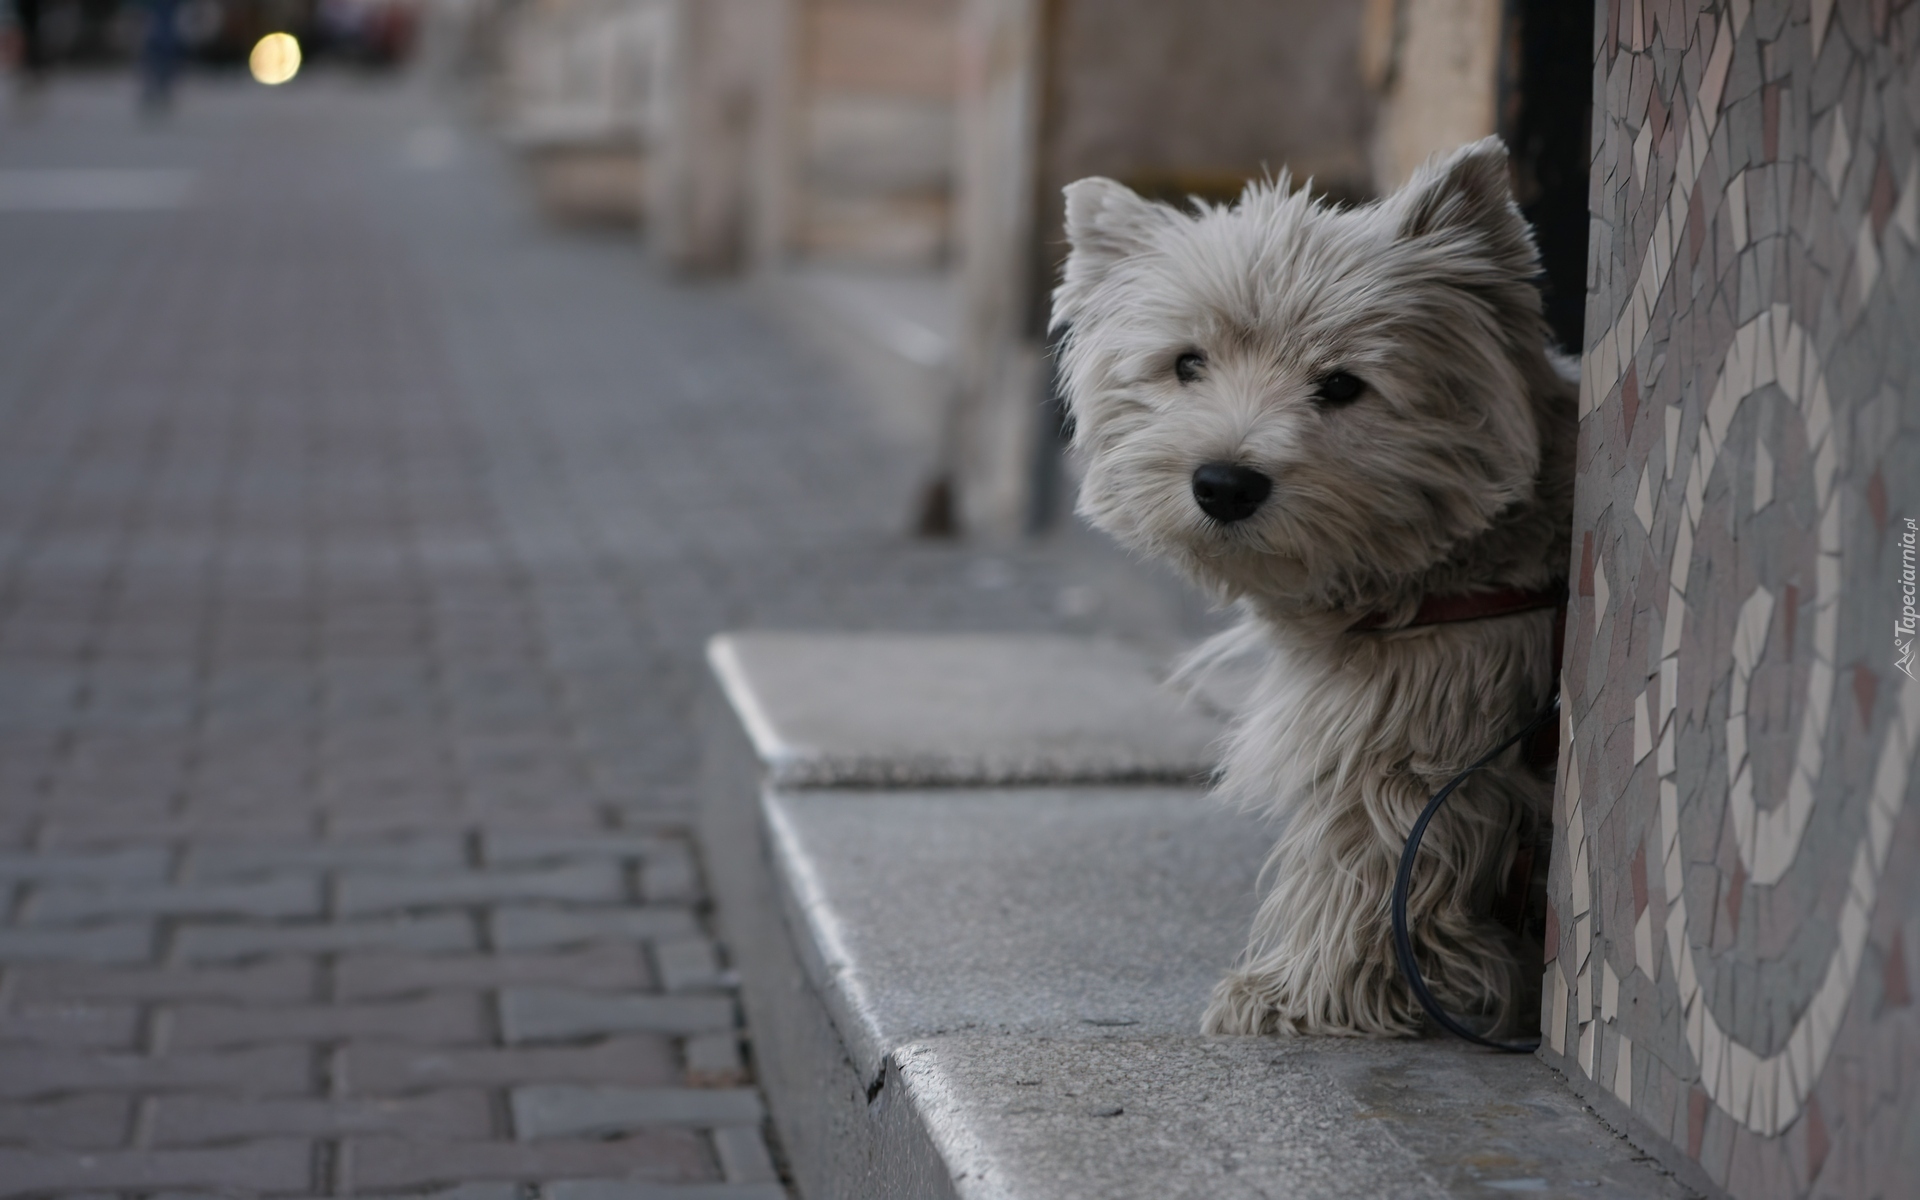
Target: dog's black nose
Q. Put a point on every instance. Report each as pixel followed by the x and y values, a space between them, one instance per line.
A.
pixel 1228 492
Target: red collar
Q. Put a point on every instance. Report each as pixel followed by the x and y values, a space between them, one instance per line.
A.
pixel 1471 606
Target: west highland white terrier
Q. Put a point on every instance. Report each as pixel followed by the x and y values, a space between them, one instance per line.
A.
pixel 1349 422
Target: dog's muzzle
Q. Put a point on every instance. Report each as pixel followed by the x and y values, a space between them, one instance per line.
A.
pixel 1228 492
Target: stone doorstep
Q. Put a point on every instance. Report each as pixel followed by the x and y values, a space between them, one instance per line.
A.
pixel 826 710
pixel 994 992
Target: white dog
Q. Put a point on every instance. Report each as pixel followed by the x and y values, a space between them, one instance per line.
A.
pixel 1347 420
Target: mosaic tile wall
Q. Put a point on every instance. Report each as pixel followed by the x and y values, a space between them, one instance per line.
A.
pixel 1735 935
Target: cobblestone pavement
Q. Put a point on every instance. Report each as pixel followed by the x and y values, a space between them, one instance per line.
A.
pixel 358 536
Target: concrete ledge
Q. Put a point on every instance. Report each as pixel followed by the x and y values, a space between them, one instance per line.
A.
pixel 1058 913
pixel 839 710
pixel 993 992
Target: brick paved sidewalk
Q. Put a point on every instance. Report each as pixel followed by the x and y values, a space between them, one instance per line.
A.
pixel 357 539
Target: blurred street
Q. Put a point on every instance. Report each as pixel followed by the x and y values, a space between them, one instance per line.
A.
pixel 359 534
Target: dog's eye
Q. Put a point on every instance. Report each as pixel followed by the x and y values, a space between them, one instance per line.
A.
pixel 1187 367
pixel 1338 388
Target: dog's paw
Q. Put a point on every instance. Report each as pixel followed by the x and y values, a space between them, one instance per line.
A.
pixel 1247 1005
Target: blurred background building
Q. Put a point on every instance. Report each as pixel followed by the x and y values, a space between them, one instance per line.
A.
pixel 888 171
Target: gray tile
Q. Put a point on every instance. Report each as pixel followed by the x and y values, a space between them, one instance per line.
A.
pixel 557 1014
pixel 552 1110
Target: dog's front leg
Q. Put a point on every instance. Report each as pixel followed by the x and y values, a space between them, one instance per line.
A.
pixel 1320 959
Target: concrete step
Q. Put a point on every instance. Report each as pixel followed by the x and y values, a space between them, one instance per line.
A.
pixel 994 991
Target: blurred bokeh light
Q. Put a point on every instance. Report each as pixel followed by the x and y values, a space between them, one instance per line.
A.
pixel 275 58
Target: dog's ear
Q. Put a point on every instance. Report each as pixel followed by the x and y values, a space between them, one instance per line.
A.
pixel 1106 222
pixel 1467 193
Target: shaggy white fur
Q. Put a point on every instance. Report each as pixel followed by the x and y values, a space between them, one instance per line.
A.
pixel 1386 370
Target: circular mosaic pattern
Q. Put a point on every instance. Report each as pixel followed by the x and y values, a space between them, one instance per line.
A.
pixel 1732 895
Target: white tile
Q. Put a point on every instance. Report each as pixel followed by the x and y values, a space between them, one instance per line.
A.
pixel 1810 753
pixel 1682 553
pixel 1790 1090
pixel 1737 210
pixel 1866 260
pixel 1722 1090
pixel 1765 366
pixel 1556 1030
pixel 1853 933
pixel 1663 763
pixel 1792 347
pixel 1602 594
pixel 1585 1057
pixel 1673 436
pixel 1889 786
pixel 1669 689
pixel 1766 1088
pixel 1742 1063
pixel 1760 624
pixel 1740 805
pixel 1696 1023
pixel 1800 1050
pixel 1736 382
pixel 1643 500
pixel 1643 956
pixel 1678 948
pixel 1669 816
pixel 1713 1048
pixel 1839 148
pixel 1863 881
pixel 1623 1071
pixel 1819 411
pixel 1829 542
pixel 1609 991
pixel 1572 799
pixel 1820 681
pixel 1675 881
pixel 1582 898
pixel 1696 476
pixel 1642 729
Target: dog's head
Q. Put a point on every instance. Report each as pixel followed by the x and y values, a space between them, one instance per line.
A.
pixel 1297 402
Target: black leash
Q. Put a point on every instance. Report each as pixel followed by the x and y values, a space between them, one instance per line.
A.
pixel 1403 883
